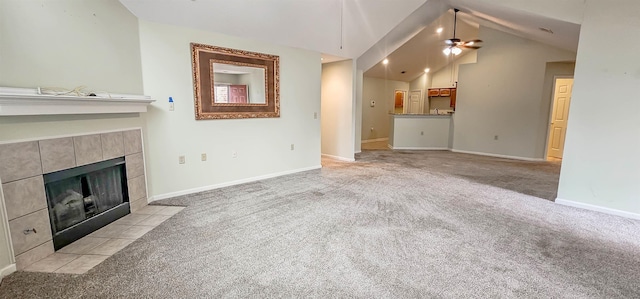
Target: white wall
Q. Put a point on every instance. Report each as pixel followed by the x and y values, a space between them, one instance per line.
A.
pixel 262 145
pixel 338 115
pixel 601 165
pixel 448 75
pixel 66 44
pixel 382 92
pixel 501 95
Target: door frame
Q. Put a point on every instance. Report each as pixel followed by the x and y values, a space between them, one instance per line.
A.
pixel 421 109
pixel 550 116
pixel 404 100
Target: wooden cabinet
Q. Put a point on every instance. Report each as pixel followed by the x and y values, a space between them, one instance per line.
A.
pixel 452 102
pixel 445 92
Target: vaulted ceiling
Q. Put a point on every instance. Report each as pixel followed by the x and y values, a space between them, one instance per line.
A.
pixel 366 30
pixel 319 25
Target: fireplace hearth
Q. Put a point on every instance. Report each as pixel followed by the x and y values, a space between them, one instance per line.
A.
pixel 85 198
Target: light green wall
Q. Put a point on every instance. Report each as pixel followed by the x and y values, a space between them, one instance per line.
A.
pixel 382 92
pixel 66 44
pixel 501 95
pixel 448 76
pixel 263 145
pixel 69 43
pixel 338 98
pixel 601 164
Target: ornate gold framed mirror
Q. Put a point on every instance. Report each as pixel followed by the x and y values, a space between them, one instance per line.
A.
pixel 230 83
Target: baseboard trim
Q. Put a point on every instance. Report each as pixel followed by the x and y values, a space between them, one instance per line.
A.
pixel 498 156
pixel 420 148
pixel 374 140
pixel 7 270
pixel 339 158
pixel 595 208
pixel 232 183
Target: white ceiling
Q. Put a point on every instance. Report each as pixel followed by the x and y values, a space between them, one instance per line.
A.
pixel 307 24
pixel 368 30
pixel 424 50
pixel 521 23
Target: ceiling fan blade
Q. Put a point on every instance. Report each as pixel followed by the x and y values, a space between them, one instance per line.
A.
pixel 475 47
pixel 474 41
pixel 451 41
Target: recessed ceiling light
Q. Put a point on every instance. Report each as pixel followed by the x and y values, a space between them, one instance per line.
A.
pixel 427 70
pixel 321 58
pixel 385 61
pixel 439 30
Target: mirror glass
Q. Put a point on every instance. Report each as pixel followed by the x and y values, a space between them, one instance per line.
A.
pixel 231 83
pixel 238 84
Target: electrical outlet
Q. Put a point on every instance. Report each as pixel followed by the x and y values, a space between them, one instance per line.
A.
pixel 203 157
pixel 292 146
pixel 495 137
pixel 181 160
pixel 315 115
pixel 234 154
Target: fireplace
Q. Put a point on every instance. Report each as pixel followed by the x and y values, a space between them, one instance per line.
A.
pixel 85 198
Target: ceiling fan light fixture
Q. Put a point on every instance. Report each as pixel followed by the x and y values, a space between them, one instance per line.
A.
pixel 454 45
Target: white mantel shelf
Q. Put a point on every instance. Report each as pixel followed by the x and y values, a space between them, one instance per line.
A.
pixel 27 101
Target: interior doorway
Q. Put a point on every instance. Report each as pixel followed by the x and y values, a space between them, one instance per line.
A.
pixel 562 89
pixel 399 98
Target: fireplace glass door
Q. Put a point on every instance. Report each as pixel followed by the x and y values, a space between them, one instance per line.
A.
pixel 77 195
pixel 78 198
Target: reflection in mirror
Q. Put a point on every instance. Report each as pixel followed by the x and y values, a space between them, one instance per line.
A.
pixel 230 83
pixel 238 84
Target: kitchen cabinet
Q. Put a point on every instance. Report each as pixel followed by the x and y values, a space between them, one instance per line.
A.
pixel 452 102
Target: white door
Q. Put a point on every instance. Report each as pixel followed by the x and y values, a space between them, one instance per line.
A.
pixel 559 117
pixel 415 102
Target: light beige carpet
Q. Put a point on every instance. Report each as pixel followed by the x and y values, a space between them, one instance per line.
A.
pixel 391 225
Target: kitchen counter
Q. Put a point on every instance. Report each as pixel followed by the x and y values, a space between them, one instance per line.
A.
pixel 420 115
pixel 420 131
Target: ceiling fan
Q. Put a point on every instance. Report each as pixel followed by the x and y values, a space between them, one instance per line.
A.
pixel 455 45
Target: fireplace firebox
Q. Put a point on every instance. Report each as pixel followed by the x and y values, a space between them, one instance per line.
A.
pixel 84 199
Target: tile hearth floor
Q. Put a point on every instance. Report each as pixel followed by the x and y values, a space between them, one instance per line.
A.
pixel 86 253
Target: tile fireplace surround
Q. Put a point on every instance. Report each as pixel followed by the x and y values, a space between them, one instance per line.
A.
pixel 22 165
